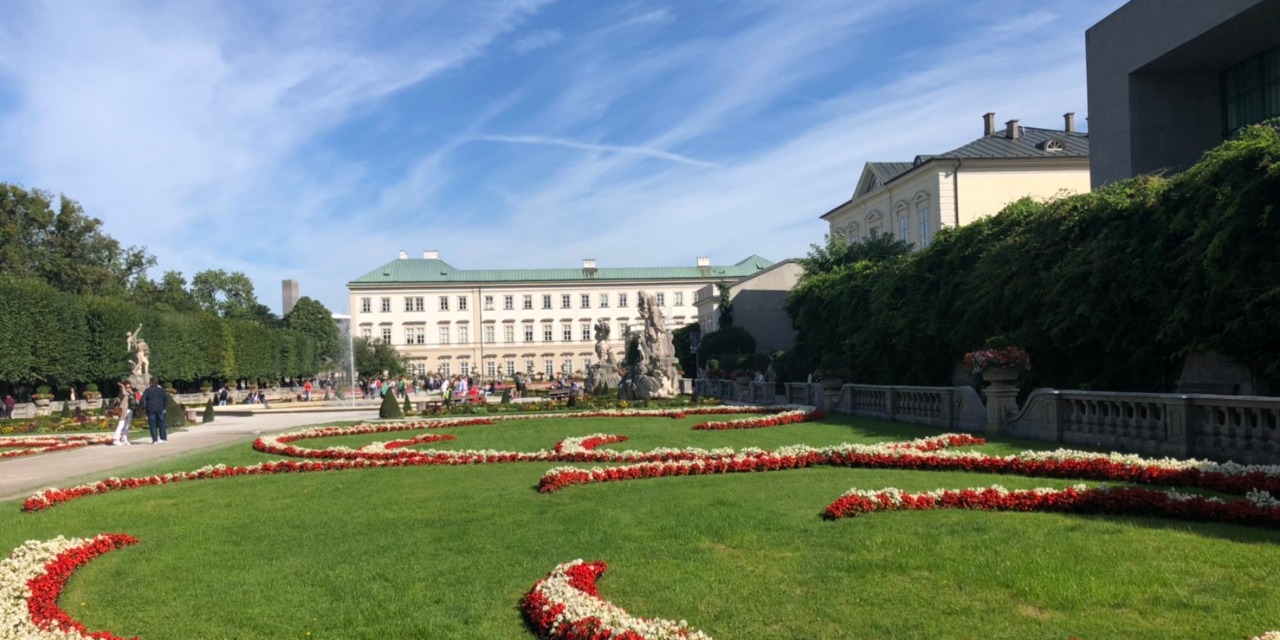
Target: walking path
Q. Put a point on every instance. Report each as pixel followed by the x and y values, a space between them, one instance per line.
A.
pixel 21 477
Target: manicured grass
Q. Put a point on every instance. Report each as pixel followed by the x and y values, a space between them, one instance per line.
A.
pixel 447 552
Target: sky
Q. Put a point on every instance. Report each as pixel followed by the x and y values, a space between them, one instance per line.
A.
pixel 315 139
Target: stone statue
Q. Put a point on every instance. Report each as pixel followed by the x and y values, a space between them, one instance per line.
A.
pixel 656 375
pixel 604 373
pixel 142 353
pixel 602 341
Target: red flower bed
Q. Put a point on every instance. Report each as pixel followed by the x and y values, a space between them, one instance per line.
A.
pixel 19 447
pixel 45 589
pixel 1126 501
pixel 787 417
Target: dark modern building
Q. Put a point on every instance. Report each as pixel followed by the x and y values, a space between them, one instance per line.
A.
pixel 1170 79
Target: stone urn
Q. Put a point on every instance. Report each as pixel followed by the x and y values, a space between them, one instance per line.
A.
pixel 1001 375
pixel 1002 397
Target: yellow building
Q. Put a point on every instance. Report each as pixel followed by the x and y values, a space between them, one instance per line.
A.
pixel 495 322
pixel 914 200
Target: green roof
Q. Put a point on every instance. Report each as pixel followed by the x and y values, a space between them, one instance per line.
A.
pixel 413 270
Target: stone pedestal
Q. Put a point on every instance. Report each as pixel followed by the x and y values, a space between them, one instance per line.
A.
pixel 1002 397
pixel 42 407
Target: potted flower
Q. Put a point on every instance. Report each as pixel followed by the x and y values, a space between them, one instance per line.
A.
pixel 832 372
pixel 999 361
pixel 91 392
pixel 42 396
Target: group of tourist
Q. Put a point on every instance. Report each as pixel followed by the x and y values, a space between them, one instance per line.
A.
pixel 154 401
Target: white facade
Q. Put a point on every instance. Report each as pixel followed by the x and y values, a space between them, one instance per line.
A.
pixel 494 329
pixel 913 201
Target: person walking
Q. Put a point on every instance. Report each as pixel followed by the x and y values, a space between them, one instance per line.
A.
pixel 125 406
pixel 306 388
pixel 155 401
pixel 9 403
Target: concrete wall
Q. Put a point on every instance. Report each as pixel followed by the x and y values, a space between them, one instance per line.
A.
pixel 758 306
pixel 1153 69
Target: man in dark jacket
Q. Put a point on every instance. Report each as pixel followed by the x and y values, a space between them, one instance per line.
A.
pixel 155 401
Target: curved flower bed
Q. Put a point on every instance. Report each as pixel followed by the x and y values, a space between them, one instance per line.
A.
pixel 1258 508
pixel 565 605
pixel 1226 478
pixel 791 416
pixel 32 578
pixel 282 444
pixel 18 447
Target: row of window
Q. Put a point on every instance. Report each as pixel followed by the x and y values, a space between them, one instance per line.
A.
pixel 507 367
pixel 873 220
pixel 418 335
pixel 418 303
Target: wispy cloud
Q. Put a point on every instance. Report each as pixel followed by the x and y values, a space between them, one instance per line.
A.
pixel 537 39
pixel 606 148
pixel 311 139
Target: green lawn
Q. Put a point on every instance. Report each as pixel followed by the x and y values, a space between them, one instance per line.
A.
pixel 447 552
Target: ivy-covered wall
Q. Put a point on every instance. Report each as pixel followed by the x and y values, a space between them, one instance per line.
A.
pixel 1107 290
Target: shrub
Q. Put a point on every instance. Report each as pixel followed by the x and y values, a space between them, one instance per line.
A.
pixel 389 408
pixel 406 408
pixel 208 412
pixel 66 409
pixel 176 414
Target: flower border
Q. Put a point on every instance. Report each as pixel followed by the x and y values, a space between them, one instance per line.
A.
pixel 565 605
pixel 32 579
pixel 35 445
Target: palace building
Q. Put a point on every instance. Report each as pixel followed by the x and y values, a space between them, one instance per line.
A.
pixel 495 322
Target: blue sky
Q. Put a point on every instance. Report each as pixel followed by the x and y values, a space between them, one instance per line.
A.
pixel 314 139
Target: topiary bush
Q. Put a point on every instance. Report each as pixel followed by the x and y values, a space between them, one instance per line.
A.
pixel 406 408
pixel 176 414
pixel 208 412
pixel 389 408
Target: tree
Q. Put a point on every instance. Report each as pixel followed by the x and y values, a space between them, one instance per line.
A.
pixel 170 294
pixel 62 246
pixel 228 295
pixel 311 318
pixel 726 306
pixel 374 358
pixel 838 252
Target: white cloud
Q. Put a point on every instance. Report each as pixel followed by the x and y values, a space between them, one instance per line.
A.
pixel 537 39
pixel 207 134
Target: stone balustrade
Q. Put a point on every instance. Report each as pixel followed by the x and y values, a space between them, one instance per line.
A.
pixel 1245 429
pixel 952 408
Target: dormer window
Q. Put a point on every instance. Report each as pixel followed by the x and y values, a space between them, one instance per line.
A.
pixel 1053 145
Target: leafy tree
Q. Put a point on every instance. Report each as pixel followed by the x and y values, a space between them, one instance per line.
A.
pixel 312 319
pixel 726 306
pixel 730 341
pixel 51 239
pixel 374 358
pixel 229 295
pixel 170 294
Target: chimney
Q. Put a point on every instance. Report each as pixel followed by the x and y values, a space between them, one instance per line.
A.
pixel 988 123
pixel 1012 130
pixel 704 261
pixel 430 254
pixel 1070 121
pixel 589 263
pixel 404 255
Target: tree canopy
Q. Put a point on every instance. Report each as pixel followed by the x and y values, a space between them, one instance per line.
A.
pixel 311 318
pixel 51 239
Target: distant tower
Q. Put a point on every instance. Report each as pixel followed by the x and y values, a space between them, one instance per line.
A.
pixel 289 291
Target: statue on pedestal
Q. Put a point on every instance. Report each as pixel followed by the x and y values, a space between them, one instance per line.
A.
pixel 142 353
pixel 655 376
pixel 604 373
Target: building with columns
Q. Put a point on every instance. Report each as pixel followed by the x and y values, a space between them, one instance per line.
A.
pixel 913 200
pixel 495 322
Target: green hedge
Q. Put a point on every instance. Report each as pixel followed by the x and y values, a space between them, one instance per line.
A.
pixel 1107 290
pixel 56 338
